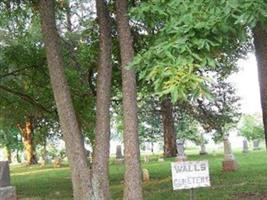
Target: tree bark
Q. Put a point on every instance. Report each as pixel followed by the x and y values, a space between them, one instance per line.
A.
pixel 132 176
pixel 68 16
pixel 82 189
pixel 169 134
pixel 100 167
pixel 29 147
pixel 44 152
pixel 203 150
pixel 260 43
pixel 18 156
pixel 8 154
pixel 17 150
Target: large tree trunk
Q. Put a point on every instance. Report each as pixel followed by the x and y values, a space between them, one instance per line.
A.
pixel 132 177
pixel 29 147
pixel 100 175
pixel 81 182
pixel 260 43
pixel 169 135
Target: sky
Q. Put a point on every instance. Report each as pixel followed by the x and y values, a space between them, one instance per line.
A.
pixel 246 83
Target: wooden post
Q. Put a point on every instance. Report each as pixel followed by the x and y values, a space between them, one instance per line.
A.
pixel 192 194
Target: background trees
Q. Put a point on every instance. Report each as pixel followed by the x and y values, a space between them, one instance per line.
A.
pixel 185 52
pixel 251 128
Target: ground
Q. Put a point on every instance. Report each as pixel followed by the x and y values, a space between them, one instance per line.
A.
pixel 249 182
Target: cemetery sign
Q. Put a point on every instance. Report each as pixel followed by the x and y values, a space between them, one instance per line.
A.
pixel 190 174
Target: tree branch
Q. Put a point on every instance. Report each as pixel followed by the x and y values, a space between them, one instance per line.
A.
pixel 26 98
pixel 14 73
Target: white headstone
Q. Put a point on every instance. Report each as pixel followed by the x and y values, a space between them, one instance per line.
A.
pixel 180 150
pixel 256 144
pixel 146 159
pixel 245 146
pixel 228 155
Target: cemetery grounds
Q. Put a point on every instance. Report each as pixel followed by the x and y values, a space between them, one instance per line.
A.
pixel 248 182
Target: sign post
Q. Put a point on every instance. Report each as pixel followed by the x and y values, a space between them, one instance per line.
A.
pixel 190 175
pixel 192 194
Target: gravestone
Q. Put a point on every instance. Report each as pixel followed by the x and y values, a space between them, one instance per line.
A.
pixel 146 177
pixel 119 157
pixel 203 150
pixel 229 163
pixel 146 159
pixel 118 152
pixel 245 146
pixel 4 174
pixel 57 162
pixel 256 144
pixel 42 161
pixel 7 192
pixel 180 150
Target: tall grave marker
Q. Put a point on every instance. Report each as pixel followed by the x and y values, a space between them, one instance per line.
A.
pixel 229 162
pixel 180 150
pixel 7 192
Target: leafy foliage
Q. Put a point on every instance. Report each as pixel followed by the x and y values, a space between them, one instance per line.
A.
pixel 187 36
pixel 251 127
pixel 187 128
pixel 150 122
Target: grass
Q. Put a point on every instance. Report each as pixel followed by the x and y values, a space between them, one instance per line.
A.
pixel 54 183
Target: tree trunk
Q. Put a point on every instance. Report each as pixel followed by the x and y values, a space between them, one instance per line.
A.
pixel 29 147
pixel 8 154
pixel 100 167
pixel 44 152
pixel 68 16
pixel 18 156
pixel 260 43
pixel 80 172
pixel 132 176
pixel 203 150
pixel 168 128
pixel 17 150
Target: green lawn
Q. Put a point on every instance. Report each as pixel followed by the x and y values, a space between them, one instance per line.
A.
pixel 49 183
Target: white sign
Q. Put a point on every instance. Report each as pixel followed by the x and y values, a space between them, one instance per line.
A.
pixel 190 174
